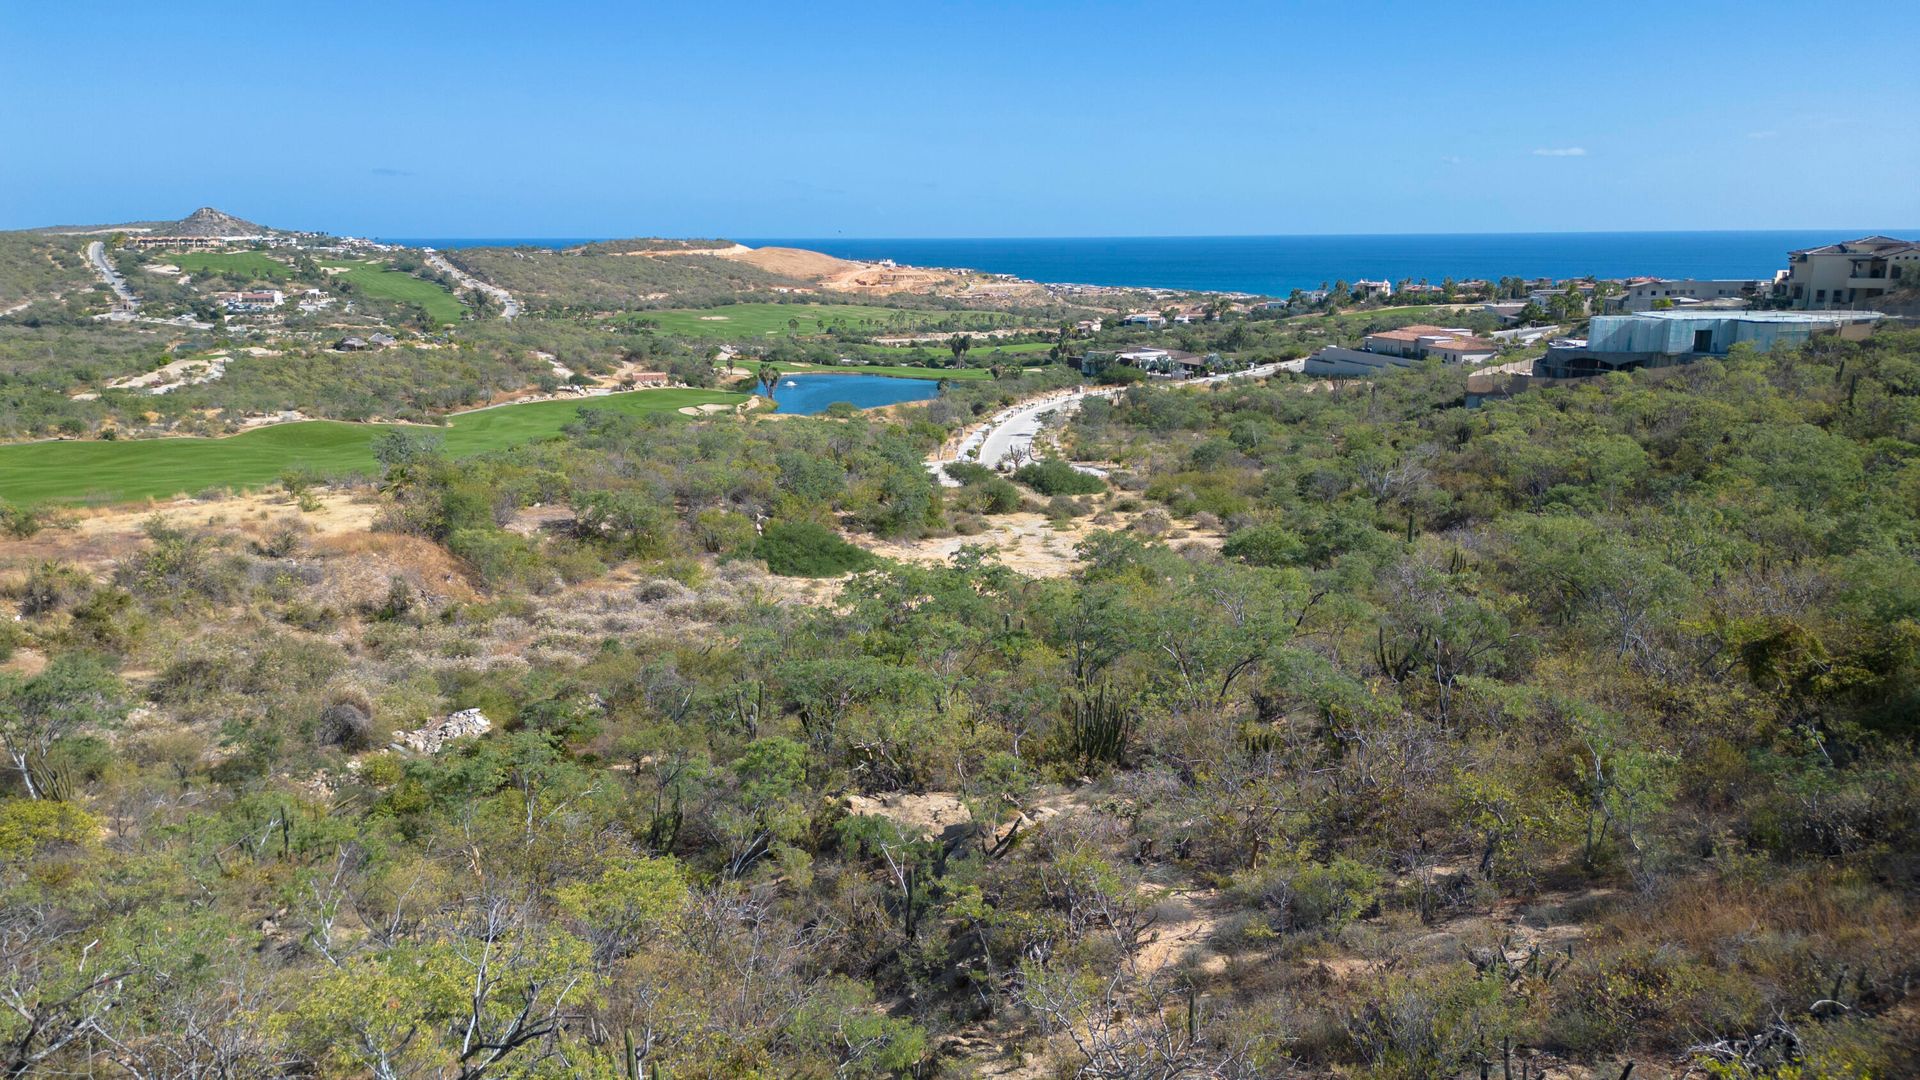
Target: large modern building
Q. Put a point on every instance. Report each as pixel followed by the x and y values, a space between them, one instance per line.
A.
pixel 1654 339
pixel 1838 276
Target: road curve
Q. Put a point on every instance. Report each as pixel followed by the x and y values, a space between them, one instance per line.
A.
pixel 1007 438
pixel 97 255
pixel 509 307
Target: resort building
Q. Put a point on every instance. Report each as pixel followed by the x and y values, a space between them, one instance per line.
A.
pixel 251 300
pixel 1838 276
pixel 1152 319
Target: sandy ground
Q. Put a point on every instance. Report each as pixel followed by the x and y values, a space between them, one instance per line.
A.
pixel 167 377
pixel 794 262
pixel 94 538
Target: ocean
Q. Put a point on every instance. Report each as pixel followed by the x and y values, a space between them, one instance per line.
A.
pixel 1276 265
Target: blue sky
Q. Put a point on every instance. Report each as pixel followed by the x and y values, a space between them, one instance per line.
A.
pixel 1036 119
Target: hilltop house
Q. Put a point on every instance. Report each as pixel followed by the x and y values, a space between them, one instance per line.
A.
pixel 1364 288
pixel 1838 276
pixel 1151 319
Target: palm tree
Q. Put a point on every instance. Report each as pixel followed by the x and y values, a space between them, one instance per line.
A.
pixel 769 375
pixel 959 343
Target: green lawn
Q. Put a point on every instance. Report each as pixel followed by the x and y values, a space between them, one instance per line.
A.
pixel 253 264
pixel 110 472
pixel 375 280
pixel 760 320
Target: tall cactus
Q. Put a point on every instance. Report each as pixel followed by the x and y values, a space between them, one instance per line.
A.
pixel 1098 725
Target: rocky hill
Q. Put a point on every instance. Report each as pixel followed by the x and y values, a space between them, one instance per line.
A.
pixel 207 221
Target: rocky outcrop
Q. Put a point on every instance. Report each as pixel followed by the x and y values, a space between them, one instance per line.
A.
pixel 434 737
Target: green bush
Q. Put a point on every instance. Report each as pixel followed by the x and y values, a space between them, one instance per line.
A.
pixel 1266 545
pixel 806 549
pixel 1001 496
pixel 1056 477
pixel 967 472
pixel 1301 895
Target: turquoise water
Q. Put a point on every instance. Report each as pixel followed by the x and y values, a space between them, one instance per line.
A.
pixel 806 395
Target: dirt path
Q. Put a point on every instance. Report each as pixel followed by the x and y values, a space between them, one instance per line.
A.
pixel 509 307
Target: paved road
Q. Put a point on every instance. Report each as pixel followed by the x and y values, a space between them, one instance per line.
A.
pixel 129 305
pixel 509 307
pixel 1007 439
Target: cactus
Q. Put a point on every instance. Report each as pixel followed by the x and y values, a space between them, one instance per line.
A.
pixel 1098 725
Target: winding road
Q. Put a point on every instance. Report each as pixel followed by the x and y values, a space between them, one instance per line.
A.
pixel 509 307
pixel 129 305
pixel 1007 438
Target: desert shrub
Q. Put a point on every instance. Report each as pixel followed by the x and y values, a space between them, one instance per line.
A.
pixel 20 522
pixel 1429 1023
pixel 1001 496
pixel 31 826
pixel 723 532
pixel 629 522
pixel 346 721
pixel 1265 545
pixel 968 472
pixel 1153 523
pixel 498 556
pixel 1056 477
pixel 1298 894
pixel 807 549
pixel 50 587
pixel 179 565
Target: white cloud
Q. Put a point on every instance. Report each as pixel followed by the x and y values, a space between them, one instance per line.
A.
pixel 1452 159
pixel 1763 134
pixel 1561 151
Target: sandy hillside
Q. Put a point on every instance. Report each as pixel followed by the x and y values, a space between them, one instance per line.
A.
pixel 793 262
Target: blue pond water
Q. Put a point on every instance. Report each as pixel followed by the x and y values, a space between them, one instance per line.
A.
pixel 806 395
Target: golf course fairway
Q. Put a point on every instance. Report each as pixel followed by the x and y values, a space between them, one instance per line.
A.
pixel 104 472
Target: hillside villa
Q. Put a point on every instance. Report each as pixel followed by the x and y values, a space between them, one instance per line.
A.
pixel 1152 359
pixel 1404 347
pixel 1837 276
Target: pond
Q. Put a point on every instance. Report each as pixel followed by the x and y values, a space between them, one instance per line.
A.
pixel 806 395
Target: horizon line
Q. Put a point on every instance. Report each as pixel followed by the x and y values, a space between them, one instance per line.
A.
pixel 1175 236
